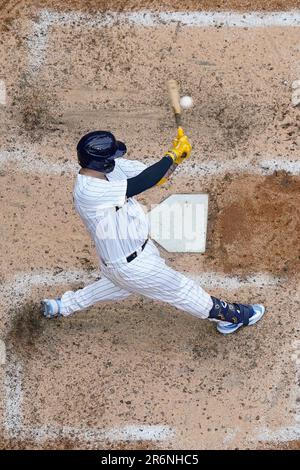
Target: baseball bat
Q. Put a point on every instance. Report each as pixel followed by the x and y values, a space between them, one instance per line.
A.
pixel 175 100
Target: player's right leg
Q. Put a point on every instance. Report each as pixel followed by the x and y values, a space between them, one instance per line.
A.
pixel 72 301
pixel 148 275
pixel 231 317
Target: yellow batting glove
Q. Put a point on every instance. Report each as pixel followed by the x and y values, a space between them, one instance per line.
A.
pixel 180 133
pixel 181 149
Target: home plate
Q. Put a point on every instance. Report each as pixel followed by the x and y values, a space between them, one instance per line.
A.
pixel 179 223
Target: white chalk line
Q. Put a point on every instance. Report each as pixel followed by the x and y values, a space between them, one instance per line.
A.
pixel 216 280
pixel 2 93
pixel 37 42
pixel 14 428
pixel 296 92
pixel 13 419
pixel 21 285
pixel 27 161
pixel 13 396
pixel 251 166
pixel 290 433
pixel 128 433
pixel 148 18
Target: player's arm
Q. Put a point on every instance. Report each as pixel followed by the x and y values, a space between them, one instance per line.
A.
pixel 155 174
pixel 149 177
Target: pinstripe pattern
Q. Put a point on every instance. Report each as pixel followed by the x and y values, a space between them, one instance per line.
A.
pixel 99 291
pixel 116 234
pixel 148 275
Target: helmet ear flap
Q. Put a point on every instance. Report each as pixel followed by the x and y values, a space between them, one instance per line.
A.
pixel 103 167
pixel 109 166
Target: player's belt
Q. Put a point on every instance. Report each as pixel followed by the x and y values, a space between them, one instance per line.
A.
pixel 135 253
pixel 132 256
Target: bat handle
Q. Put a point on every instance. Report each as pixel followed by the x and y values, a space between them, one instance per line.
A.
pixel 178 119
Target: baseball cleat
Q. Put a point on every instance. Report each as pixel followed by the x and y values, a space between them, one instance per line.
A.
pixel 226 328
pixel 51 308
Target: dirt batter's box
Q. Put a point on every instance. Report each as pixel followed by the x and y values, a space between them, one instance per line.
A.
pixel 79 368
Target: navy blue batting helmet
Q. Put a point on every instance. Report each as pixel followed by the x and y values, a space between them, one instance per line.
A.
pixel 97 151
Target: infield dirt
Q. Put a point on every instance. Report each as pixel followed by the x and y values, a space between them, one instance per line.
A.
pixel 140 362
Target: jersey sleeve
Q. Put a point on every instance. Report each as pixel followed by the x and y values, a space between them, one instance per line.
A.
pixel 125 169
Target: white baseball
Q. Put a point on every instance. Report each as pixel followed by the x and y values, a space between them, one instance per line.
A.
pixel 186 102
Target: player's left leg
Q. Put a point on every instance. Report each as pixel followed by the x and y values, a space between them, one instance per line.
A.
pixel 72 301
pixel 150 276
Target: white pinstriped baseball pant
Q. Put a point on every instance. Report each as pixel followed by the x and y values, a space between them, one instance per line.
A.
pixel 147 275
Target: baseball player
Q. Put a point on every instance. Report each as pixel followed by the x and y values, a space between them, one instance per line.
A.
pixel 130 262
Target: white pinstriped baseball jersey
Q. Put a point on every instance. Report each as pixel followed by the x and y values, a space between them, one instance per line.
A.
pixel 118 227
pixel 147 274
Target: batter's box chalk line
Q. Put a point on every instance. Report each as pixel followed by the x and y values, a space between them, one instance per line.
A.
pixel 296 93
pixel 13 420
pixel 14 427
pixel 37 42
pixel 2 93
pixel 21 285
pixel 289 433
pixel 27 161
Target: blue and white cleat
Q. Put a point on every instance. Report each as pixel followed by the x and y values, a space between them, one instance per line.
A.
pixel 51 308
pixel 226 328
